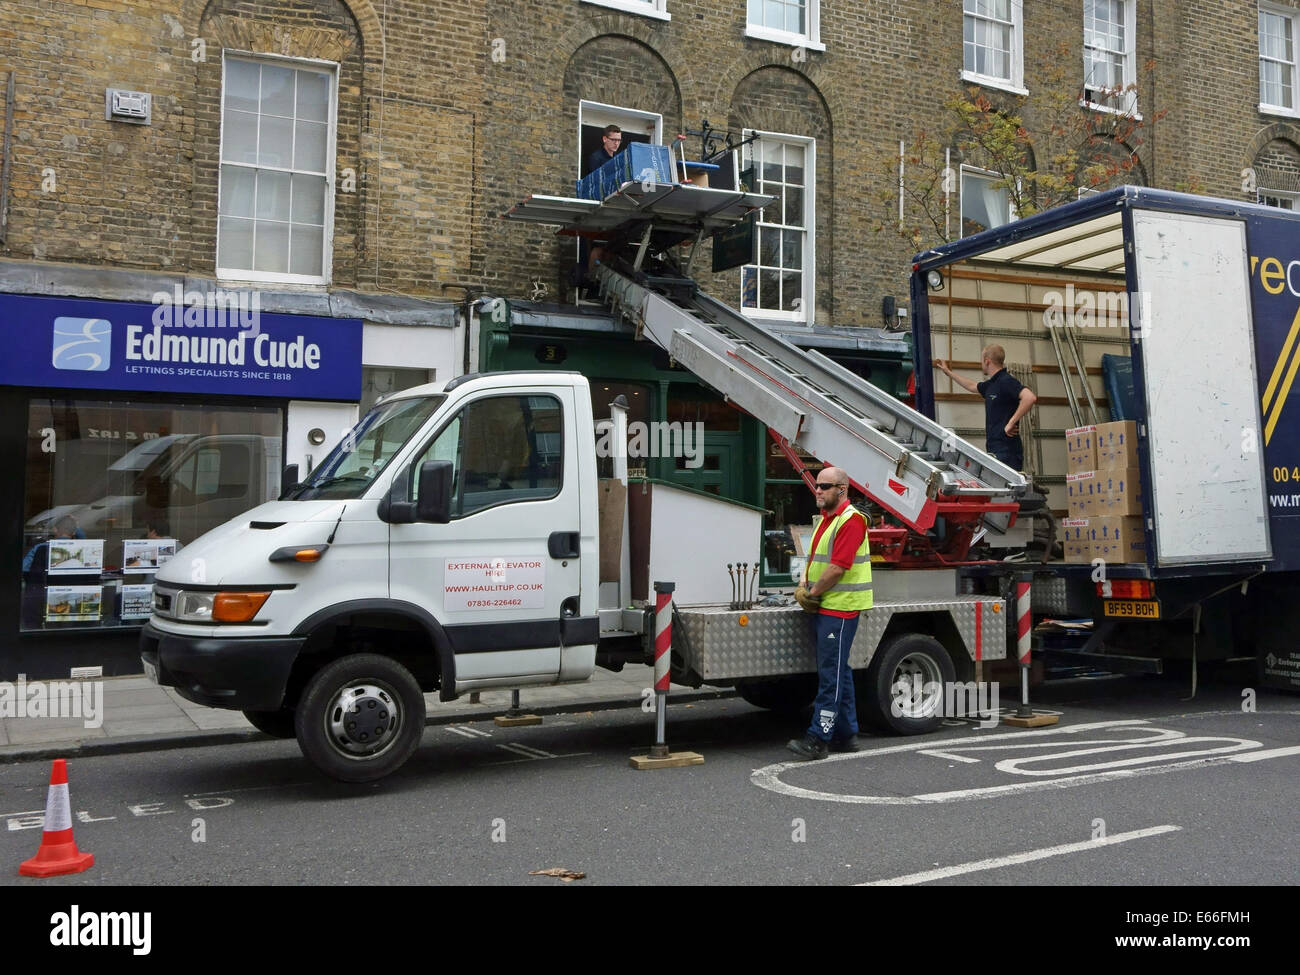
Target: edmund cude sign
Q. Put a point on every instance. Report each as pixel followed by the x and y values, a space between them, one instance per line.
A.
pixel 228 348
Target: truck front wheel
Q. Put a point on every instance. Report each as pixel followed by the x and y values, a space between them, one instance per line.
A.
pixel 360 718
pixel 903 689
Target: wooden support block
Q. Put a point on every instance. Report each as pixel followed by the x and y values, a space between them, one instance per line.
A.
pixel 1037 721
pixel 672 760
pixel 516 721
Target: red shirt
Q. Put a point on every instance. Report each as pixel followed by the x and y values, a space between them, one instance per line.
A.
pixel 847 541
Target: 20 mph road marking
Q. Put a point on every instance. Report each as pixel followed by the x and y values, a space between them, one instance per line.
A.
pixel 993 863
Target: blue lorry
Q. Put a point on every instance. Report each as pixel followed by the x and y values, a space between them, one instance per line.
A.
pixel 1198 300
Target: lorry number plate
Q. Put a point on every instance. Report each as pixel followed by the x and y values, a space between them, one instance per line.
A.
pixel 1145 609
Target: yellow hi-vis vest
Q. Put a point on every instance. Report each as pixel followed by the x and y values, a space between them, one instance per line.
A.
pixel 853 591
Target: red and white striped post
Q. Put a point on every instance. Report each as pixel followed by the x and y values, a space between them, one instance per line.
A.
pixel 663 658
pixel 1024 624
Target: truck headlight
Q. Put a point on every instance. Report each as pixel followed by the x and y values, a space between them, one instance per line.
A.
pixel 218 607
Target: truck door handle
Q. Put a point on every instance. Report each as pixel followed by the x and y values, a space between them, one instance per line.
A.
pixel 563 545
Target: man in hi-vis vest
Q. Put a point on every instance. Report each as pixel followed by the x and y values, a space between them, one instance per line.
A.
pixel 836 586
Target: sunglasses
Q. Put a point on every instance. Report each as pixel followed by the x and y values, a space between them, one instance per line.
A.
pixel 819 486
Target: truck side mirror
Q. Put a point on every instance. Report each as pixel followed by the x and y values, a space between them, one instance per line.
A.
pixel 288 480
pixel 434 504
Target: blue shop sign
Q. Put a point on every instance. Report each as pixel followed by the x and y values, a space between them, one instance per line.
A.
pixel 221 345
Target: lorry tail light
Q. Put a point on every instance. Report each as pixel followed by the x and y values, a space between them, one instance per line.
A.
pixel 1126 589
pixel 237 607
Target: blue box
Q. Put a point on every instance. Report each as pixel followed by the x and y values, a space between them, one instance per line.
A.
pixel 639 162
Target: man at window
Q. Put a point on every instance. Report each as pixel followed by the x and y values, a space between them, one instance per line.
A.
pixel 611 144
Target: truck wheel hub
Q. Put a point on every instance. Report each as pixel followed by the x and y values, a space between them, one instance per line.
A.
pixel 363 719
pixel 917 688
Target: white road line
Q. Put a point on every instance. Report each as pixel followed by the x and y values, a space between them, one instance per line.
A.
pixel 993 863
pixel 1266 753
pixel 951 757
pixel 468 732
pixel 526 750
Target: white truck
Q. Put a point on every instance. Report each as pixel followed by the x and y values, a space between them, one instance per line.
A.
pixel 460 537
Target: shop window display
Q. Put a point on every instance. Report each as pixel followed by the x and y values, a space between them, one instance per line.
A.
pixel 113 489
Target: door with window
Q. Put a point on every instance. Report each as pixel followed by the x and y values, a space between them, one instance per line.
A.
pixel 506 569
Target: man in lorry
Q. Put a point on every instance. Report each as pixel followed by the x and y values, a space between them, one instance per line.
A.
pixel 837 587
pixel 1006 400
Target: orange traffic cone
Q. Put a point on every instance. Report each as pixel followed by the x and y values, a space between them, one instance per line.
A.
pixel 58 853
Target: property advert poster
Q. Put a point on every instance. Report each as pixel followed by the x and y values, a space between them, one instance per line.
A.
pixel 75 556
pixel 68 604
pixel 146 554
pixel 137 602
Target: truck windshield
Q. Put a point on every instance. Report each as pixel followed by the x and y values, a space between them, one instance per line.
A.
pixel 353 465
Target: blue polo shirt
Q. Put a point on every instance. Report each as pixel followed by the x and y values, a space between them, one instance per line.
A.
pixel 1001 394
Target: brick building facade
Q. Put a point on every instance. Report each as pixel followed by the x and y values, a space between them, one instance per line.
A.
pixel 448 113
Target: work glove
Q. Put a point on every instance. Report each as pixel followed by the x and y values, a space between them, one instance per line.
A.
pixel 809 602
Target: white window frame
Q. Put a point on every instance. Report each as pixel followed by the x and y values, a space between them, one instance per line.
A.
pixel 1016 83
pixel 811 39
pixel 984 174
pixel 808 298
pixel 656 9
pixel 1292 15
pixel 1292 195
pixel 1129 69
pixel 331 70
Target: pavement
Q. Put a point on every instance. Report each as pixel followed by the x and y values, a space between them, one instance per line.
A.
pixel 138 715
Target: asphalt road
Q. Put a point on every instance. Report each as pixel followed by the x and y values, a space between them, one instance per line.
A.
pixel 1134 788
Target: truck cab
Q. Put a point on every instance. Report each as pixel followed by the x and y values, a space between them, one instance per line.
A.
pixel 448 543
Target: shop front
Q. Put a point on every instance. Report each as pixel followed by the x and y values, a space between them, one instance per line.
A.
pixel 130 432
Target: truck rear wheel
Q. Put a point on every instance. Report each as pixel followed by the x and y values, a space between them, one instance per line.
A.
pixel 360 718
pixel 787 695
pixel 903 689
pixel 277 724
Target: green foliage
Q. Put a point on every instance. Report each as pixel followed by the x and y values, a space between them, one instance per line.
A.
pixel 1042 149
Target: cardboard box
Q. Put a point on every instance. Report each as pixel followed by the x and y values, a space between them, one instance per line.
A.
pixel 1116 445
pixel 1077 546
pixel 1081 494
pixel 1117 493
pixel 1080 450
pixel 1116 539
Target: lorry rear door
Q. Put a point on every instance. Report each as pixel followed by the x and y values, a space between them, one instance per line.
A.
pixel 505 570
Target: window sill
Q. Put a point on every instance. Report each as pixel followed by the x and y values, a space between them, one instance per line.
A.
pixel 1278 111
pixel 1001 84
pixel 229 276
pixel 760 33
pixel 632 7
pixel 786 317
pixel 1136 116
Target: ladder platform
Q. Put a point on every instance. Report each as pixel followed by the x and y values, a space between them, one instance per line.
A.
pixel 684 207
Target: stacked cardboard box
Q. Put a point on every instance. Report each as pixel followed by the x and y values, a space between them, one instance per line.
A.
pixel 1103 485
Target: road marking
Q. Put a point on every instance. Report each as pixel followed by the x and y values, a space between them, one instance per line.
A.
pixel 465 732
pixel 1266 753
pixel 769 777
pixel 948 755
pixel 526 750
pixel 993 863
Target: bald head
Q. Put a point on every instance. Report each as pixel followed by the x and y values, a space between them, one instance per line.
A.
pixel 832 488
